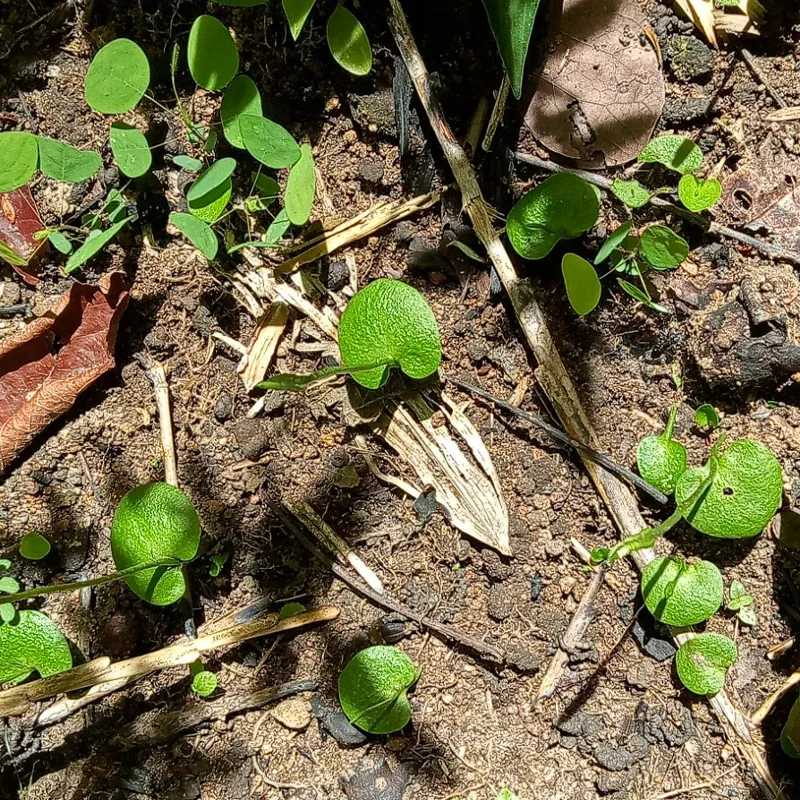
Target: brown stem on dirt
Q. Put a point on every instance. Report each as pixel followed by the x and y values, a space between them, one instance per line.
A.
pixel 498 110
pixel 769 250
pixel 158 377
pixel 763 712
pixel 750 60
pixel 552 374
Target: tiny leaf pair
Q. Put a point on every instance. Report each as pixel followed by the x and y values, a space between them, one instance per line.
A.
pixel 742 603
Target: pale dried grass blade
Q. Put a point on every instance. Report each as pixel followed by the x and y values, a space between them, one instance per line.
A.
pixel 790 114
pixel 701 13
pixel 265 341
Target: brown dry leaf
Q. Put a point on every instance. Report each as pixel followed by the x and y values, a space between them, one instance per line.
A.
pixel 45 366
pixel 600 91
pixel 19 220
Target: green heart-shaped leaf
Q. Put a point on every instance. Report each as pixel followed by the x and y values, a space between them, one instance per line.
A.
pixel 662 248
pixel 131 150
pixel 212 54
pixel 702 662
pixel 698 195
pixel 561 207
pixel 745 492
pixel 388 322
pixel 583 285
pixel 117 78
pixel 681 594
pixel 32 641
pixel 675 152
pixel 373 686
pixel 152 522
pixel 63 162
pixel 348 41
pixel 632 193
pixel 660 459
pixel 19 154
pixel 241 97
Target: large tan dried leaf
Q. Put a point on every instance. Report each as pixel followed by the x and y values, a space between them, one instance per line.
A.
pixel 600 90
pixel 45 366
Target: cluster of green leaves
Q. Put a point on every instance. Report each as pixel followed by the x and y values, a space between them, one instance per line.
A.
pixel 740 602
pixel 385 325
pixel 678 154
pixel 373 686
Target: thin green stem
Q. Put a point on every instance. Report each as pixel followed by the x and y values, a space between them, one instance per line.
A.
pixel 673 416
pixel 160 105
pixel 57 588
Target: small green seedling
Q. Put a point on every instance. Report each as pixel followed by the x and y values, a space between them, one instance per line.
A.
pixel 703 662
pixel 745 491
pixel 698 195
pixel 152 522
pixel 373 686
pixel 212 54
pixel 681 594
pixel 742 603
pixel 34 547
pixel 562 206
pixel 204 683
pixel 32 642
pixel 706 416
pixel 790 735
pixel 117 78
pixel 218 561
pixel 660 459
pixel 291 610
pixel 8 585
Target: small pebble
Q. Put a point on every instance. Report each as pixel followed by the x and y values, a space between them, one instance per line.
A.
pixel 294 713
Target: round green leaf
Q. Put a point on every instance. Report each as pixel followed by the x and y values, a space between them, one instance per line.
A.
pixel 583 285
pixel 241 97
pixel 32 642
pixel 348 42
pixel 131 150
pixel 297 12
pixel 155 521
pixel 204 683
pixel 210 206
pixel 388 322
pixel 744 494
pixel 698 195
pixel 187 162
pixel 300 188
pixel 268 142
pixel 19 154
pixel 632 193
pixel 661 460
pixel 706 416
pixel 681 594
pixel 197 232
pixel 212 53
pixel 662 248
pixel 703 662
pixel 561 207
pixel 210 180
pixel 117 78
pixel 373 686
pixel 63 162
pixel 33 546
pixel 675 152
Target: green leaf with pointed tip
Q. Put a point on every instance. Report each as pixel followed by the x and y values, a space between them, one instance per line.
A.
pixel 241 97
pixel 562 206
pixel 210 206
pixel 583 285
pixel 637 294
pixel 268 142
pixel 388 322
pixel 197 232
pixel 212 54
pixel 681 594
pixel 11 256
pixel 32 642
pixel 747 615
pixel 152 522
pixel 698 195
pixel 348 41
pixel 675 152
pixel 204 683
pixel 632 193
pixel 63 162
pixel 297 12
pixel 746 490
pixel 613 242
pixel 706 416
pixel 289 382
pixel 130 149
pixel 33 546
pixel 662 248
pixel 300 188
pixel 702 662
pixel 511 22
pixel 19 154
pixel 373 686
pixel 117 78
pixel 94 243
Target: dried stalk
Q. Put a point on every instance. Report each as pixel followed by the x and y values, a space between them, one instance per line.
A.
pixel 158 377
pixel 264 344
pixel 763 712
pixel 551 372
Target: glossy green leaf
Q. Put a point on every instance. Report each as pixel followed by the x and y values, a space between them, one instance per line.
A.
pixel 212 54
pixel 152 522
pixel 33 546
pixel 33 642
pixel 94 243
pixel 662 248
pixel 241 97
pixel 188 163
pixel 300 188
pixel 675 152
pixel 637 294
pixel 197 232
pixel 297 12
pixel 373 686
pixel 117 78
pixel 698 195
pixel 703 662
pixel 210 181
pixel 19 154
pixel 348 42
pixel 632 193
pixel 512 25
pixel 388 322
pixel 210 206
pixel 583 285
pixel 681 594
pixel 562 206
pixel 63 162
pixel 613 242
pixel 130 149
pixel 268 142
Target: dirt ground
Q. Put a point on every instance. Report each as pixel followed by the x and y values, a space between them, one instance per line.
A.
pixel 618 725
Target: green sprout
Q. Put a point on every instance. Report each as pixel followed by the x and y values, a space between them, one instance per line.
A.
pixel 204 683
pixel 742 603
pixel 706 416
pixel 373 686
pixel 291 610
pixel 218 561
pixel 702 662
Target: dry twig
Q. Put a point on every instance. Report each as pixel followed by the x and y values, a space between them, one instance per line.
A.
pixel 158 377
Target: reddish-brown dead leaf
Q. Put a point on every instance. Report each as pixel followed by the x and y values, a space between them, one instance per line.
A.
pixel 600 90
pixel 19 220
pixel 52 360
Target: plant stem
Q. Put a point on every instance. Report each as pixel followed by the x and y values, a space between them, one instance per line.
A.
pixel 56 588
pixel 673 416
